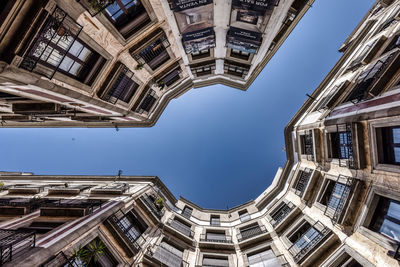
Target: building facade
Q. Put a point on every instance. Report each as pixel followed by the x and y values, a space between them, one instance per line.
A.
pixel 89 63
pixel 335 203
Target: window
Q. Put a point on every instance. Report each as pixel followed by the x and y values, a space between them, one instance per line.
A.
pixel 307 144
pixel 388 145
pixel 250 231
pixel 335 196
pixel 201 54
pixel 148 102
pixel 215 262
pixel 244 216
pixel 264 258
pixel 169 254
pixel 215 220
pixel 128 16
pixel 123 88
pixel 341 144
pixel 203 69
pixel 368 53
pixel 236 69
pixel 187 212
pixel 247 16
pixel 386 218
pixel 305 238
pixel 240 54
pixel 181 227
pixel 281 213
pixel 394 43
pixel 362 90
pixel 216 237
pixel 155 54
pixel 391 20
pixel 328 101
pixel 57 48
pixel 302 181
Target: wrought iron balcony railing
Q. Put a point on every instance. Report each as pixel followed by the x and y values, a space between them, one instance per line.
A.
pixel 338 198
pixel 19 206
pixel 216 239
pixel 251 232
pixel 314 236
pixel 309 145
pixel 166 257
pixel 60 259
pixel 302 181
pixel 133 237
pixel 180 227
pixel 14 243
pixel 282 213
pixel 69 207
pixel 158 212
pixel 344 141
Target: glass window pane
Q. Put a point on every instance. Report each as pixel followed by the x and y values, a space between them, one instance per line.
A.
pixel 391 229
pixel 396 135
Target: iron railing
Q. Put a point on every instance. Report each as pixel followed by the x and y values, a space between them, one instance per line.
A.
pixel 309 145
pixel 302 181
pixel 344 141
pixel 14 243
pixel 220 239
pixel 59 32
pixel 60 259
pixel 59 207
pixel 282 213
pixel 135 242
pixel 155 54
pixel 180 227
pixel 151 206
pixel 251 232
pixel 166 257
pixel 367 79
pixel 123 88
pixel 310 242
pixel 338 198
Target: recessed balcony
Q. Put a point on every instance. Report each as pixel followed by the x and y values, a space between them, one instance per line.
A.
pixel 69 207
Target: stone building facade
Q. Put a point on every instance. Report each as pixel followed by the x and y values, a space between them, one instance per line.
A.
pixel 89 63
pixel 336 202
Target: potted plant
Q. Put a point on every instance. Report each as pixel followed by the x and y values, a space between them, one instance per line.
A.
pixel 159 203
pixel 1 185
pixel 99 5
pixel 161 84
pixel 85 256
pixel 139 66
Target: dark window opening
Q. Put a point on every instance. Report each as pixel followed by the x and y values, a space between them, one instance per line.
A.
pixel 240 54
pixel 215 262
pixel 386 218
pixel 128 16
pixel 187 212
pixel 388 144
pixel 155 54
pixel 244 216
pixel 123 87
pixel 215 220
pixel 201 54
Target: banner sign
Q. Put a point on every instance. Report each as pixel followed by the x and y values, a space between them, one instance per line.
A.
pixel 244 40
pixel 180 5
pixel 199 40
pixel 253 5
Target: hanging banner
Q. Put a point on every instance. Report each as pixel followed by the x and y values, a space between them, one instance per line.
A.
pixel 199 40
pixel 180 5
pixel 195 19
pixel 259 6
pixel 244 40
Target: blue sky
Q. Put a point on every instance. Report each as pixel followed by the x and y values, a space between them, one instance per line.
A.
pixel 216 146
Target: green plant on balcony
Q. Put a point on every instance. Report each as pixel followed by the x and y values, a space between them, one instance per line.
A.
pixel 139 66
pixel 88 255
pixel 161 84
pixel 1 185
pixel 160 203
pixel 99 5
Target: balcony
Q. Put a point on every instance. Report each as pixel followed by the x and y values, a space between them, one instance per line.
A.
pixel 339 198
pixel 114 189
pixel 60 259
pixel 308 241
pixel 281 214
pixel 19 206
pixel 168 78
pixel 155 54
pixel 14 243
pixel 302 182
pixel 162 256
pixel 156 210
pixel 69 208
pixel 95 7
pixel 70 190
pixel 216 241
pixel 127 231
pixel 251 232
pixel 25 189
pixel 181 228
